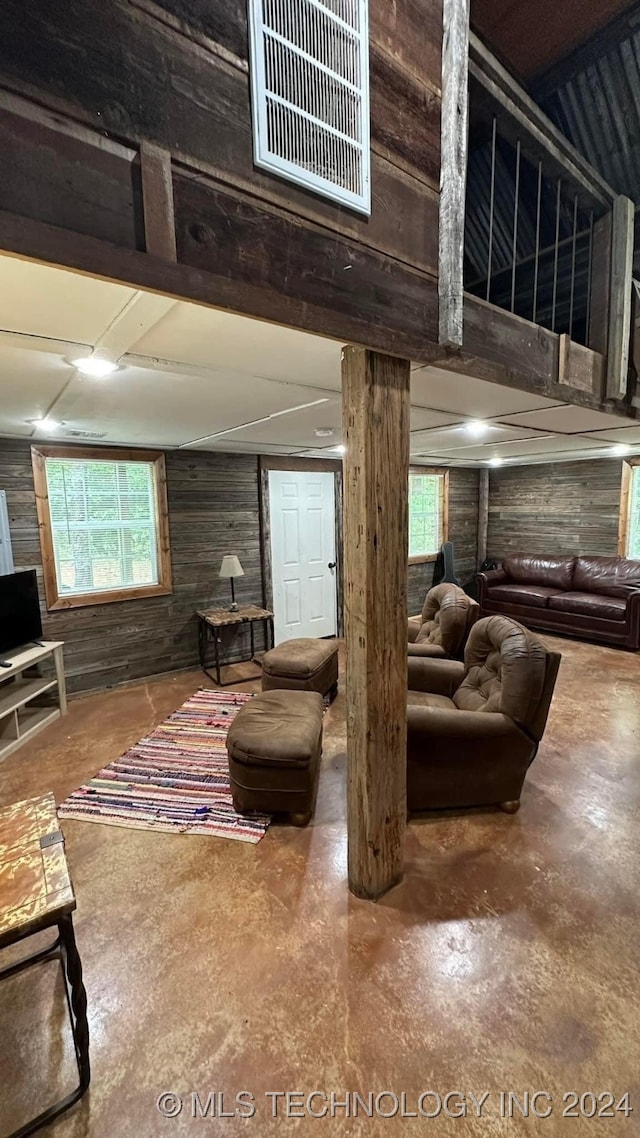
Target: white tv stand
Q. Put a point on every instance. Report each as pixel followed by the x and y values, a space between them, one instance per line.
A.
pixel 20 717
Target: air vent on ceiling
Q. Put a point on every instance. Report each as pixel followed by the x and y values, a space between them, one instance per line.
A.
pixel 310 95
pixel 76 434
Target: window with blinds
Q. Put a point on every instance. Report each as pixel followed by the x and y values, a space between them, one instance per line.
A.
pixel 426 514
pixel 633 528
pixel 310 95
pixel 103 523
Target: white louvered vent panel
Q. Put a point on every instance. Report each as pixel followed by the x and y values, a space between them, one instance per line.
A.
pixel 310 91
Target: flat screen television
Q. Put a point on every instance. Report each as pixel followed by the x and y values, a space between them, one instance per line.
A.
pixel 20 619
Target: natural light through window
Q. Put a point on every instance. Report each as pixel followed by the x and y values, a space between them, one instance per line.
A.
pixel 104 534
pixel 633 531
pixel 426 514
pixel 103 521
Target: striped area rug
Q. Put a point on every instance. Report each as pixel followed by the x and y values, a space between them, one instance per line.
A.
pixel 176 779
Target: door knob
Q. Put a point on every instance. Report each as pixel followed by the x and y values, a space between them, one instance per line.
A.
pixel 331 565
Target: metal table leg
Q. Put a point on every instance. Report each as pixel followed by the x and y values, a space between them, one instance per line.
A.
pixel 65 950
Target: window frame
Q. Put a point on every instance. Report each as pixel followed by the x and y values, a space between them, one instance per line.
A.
pixel 54 599
pixel 443 473
pixel 629 465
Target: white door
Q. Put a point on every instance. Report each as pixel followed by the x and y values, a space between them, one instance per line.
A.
pixel 303 553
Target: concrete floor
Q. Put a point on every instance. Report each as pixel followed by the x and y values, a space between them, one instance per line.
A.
pixel 507 960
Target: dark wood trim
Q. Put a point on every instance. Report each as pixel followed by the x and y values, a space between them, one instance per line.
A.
pixel 294 462
pixel 483 515
pixel 39 455
pixel 199 277
pixel 453 168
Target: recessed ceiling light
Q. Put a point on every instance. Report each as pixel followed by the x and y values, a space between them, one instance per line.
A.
pixel 620 448
pixel 476 427
pixel 46 424
pixel 95 366
pixel 496 460
pixel 324 432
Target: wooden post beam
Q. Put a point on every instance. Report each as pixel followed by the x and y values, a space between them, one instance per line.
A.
pixel 453 168
pixel 621 298
pixel 375 394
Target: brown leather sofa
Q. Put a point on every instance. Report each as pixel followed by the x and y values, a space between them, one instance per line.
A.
pixel 448 615
pixel 594 597
pixel 474 727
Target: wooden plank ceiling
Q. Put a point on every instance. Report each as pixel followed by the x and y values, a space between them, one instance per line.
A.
pixel 530 38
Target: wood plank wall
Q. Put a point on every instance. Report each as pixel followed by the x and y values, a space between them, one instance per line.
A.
pixel 213 510
pixel 555 508
pixel 463 532
pixel 174 73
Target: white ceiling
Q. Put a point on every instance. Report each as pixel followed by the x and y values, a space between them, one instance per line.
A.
pixel 196 377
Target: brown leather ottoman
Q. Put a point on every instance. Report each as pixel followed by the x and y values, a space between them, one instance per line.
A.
pixel 302 665
pixel 274 746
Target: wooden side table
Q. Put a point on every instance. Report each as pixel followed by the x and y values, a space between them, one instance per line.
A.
pixel 36 894
pixel 212 621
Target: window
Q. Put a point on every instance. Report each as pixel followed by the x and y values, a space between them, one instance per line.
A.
pixel 428 492
pixel 629 544
pixel 103 524
pixel 310 95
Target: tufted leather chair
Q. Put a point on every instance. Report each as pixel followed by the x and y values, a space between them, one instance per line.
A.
pixel 447 618
pixel 474 727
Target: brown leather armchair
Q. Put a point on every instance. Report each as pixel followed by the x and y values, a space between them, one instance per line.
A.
pixel 474 727
pixel 447 617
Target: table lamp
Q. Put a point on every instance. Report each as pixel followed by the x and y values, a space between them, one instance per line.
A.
pixel 231 568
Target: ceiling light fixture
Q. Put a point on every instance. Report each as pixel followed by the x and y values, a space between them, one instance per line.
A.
pixel 324 432
pixel 476 428
pixel 620 448
pixel 95 366
pixel 45 424
pixel 496 460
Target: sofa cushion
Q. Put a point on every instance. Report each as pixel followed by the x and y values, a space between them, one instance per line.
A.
pixel 611 576
pixel 556 571
pixel 590 604
pixel 428 699
pixel 300 659
pixel 534 595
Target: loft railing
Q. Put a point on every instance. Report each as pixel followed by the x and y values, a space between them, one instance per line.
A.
pixel 529 234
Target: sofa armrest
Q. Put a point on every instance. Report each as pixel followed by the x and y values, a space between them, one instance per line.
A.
pixel 414 624
pixel 437 677
pixel 486 580
pixel 633 620
pixel 424 723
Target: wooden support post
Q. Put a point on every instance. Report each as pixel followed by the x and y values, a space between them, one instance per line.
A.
pixel 483 515
pixel 375 394
pixel 453 170
pixel 622 239
pixel 600 285
pixel 157 202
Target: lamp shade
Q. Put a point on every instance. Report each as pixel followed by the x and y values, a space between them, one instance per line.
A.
pixel 231 566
